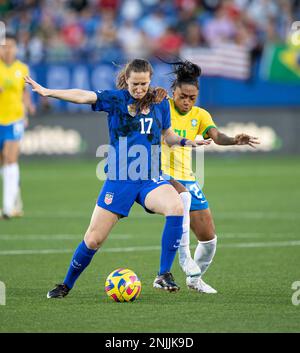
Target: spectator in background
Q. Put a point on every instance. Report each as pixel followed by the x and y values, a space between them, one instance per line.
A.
pixel 78 5
pixel 193 36
pixel 185 17
pixel 108 5
pixel 131 10
pixel 56 50
pixel 154 25
pixel 5 7
pixel 105 43
pixel 72 32
pixel 260 11
pixel 168 44
pixel 133 41
pixel 220 29
pixel 285 19
pixel 87 32
pixel 187 5
pixel 36 50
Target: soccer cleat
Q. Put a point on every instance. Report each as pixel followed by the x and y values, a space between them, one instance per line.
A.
pixel 17 214
pixel 14 214
pixel 190 267
pixel 166 282
pixel 199 285
pixel 60 291
pixel 3 215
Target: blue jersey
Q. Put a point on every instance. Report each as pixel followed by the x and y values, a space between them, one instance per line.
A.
pixel 135 137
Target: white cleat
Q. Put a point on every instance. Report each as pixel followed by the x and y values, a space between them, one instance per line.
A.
pixel 199 285
pixel 190 267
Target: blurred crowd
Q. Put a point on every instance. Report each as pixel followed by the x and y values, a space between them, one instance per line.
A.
pixel 107 30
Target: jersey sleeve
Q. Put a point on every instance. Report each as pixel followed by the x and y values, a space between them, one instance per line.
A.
pixel 206 123
pixel 103 102
pixel 166 115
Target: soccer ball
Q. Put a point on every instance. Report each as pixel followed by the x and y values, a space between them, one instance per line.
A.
pixel 123 285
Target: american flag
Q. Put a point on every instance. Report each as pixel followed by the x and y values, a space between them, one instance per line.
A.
pixel 226 60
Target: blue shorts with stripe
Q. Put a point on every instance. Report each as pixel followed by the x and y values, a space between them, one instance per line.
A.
pixel 11 132
pixel 199 201
pixel 119 196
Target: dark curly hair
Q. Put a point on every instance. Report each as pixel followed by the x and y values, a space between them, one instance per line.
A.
pixel 186 72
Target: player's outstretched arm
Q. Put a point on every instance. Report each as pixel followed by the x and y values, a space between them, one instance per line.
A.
pixel 71 95
pixel 172 139
pixel 241 139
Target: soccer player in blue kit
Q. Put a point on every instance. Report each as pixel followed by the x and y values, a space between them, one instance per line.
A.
pixel 132 114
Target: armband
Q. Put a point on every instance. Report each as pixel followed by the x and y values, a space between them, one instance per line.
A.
pixel 183 142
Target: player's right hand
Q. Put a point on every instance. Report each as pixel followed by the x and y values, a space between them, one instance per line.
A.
pixel 198 143
pixel 37 87
pixel 160 94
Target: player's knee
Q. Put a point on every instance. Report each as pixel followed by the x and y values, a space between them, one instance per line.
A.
pixel 8 159
pixel 175 209
pixel 93 239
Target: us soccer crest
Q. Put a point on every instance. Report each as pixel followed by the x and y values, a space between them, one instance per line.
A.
pixel 108 198
pixel 131 110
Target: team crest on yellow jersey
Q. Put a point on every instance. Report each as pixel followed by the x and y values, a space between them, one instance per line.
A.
pixel 194 122
pixel 18 74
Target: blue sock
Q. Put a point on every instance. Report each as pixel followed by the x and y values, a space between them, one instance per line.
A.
pixel 81 259
pixel 170 242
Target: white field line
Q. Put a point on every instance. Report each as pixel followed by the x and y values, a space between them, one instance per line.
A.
pixel 47 237
pixel 220 215
pixel 55 237
pixel 150 248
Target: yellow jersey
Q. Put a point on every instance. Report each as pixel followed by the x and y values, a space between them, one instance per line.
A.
pixel 12 86
pixel 177 161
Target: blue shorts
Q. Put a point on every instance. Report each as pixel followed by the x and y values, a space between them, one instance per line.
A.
pixel 119 196
pixel 199 201
pixel 12 132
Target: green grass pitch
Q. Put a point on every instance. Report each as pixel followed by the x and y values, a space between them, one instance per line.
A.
pixel 255 202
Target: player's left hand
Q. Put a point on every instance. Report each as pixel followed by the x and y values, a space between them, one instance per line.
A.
pixel 244 139
pixel 160 94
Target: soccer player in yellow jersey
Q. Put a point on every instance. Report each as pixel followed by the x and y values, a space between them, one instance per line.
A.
pixel 14 101
pixel 188 121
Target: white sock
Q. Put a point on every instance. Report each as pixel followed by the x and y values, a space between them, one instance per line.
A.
pixel 205 253
pixel 11 176
pixel 18 206
pixel 184 249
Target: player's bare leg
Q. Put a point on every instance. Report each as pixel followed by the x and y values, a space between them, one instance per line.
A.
pixel 173 211
pixel 164 200
pixel 101 224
